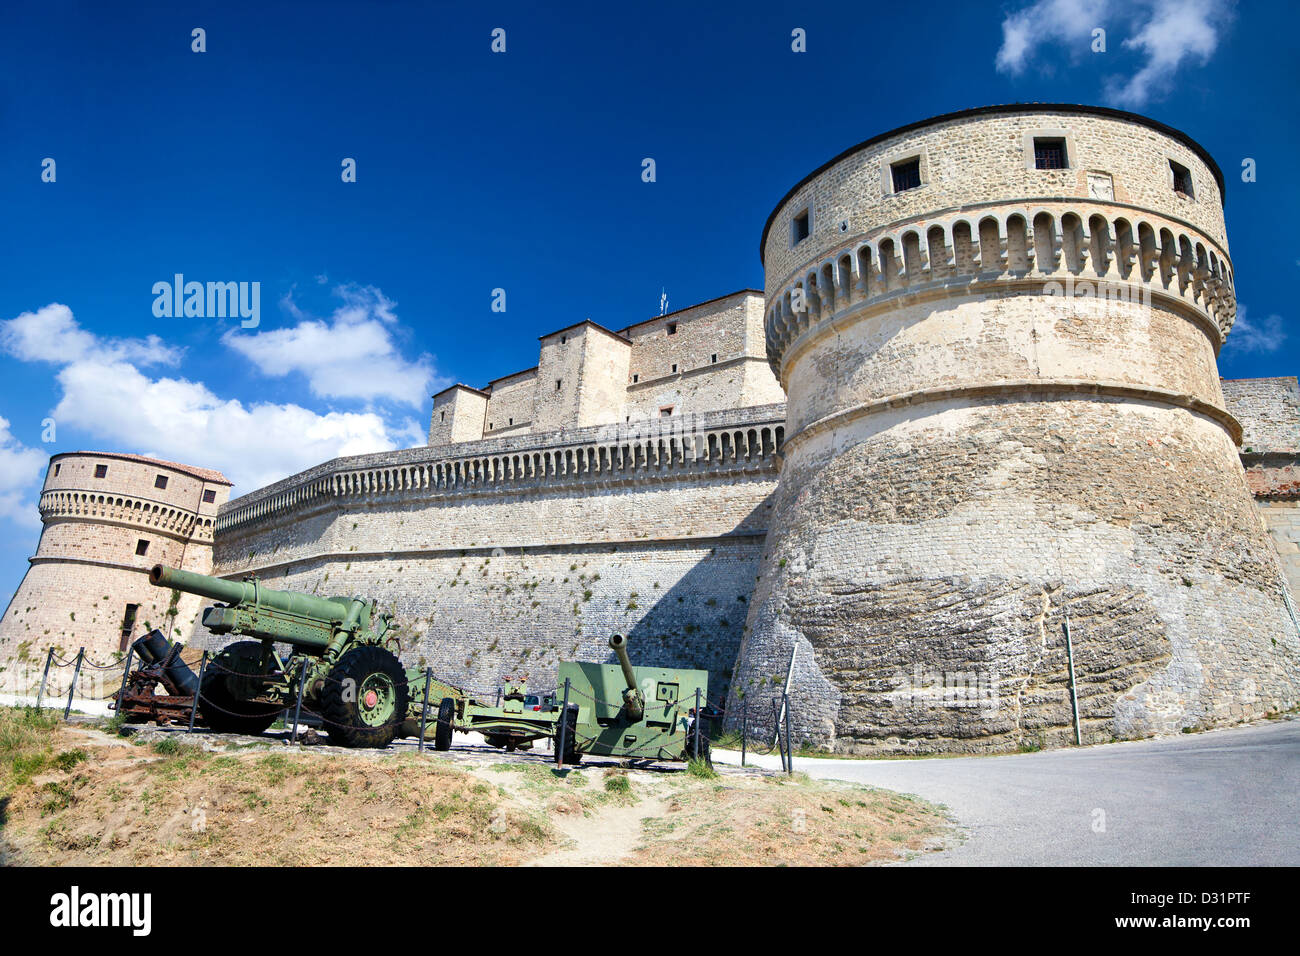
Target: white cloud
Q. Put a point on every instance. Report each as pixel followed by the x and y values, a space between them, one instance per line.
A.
pixel 1177 30
pixel 1047 21
pixel 51 334
pixel 106 395
pixel 1166 33
pixel 1249 336
pixel 353 355
pixel 21 469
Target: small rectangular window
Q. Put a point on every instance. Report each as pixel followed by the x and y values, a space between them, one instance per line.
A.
pixel 56 470
pixel 511 422
pixel 563 339
pixel 1182 179
pixel 1049 153
pixel 713 358
pixel 558 383
pixel 490 426
pixel 209 496
pixel 141 546
pixel 160 481
pixel 101 471
pixel 674 368
pixel 635 379
pixel 672 328
pixel 800 227
pixel 906 174
pixel 444 417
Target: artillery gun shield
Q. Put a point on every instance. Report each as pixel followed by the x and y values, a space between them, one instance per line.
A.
pixel 365 697
pixel 233 677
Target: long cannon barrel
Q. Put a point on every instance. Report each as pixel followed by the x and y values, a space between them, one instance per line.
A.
pixel 249 593
pixel 632 696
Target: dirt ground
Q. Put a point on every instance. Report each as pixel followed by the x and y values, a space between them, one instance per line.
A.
pixel 81 794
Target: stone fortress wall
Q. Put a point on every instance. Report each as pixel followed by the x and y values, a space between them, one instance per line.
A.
pixel 511 554
pixel 106 519
pixel 620 485
pixel 1269 412
pixel 1003 413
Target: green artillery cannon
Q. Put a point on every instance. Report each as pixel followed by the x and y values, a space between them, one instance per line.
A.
pixel 512 722
pixel 341 662
pixel 614 710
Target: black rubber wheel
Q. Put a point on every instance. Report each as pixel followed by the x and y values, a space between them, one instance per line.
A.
pixel 571 755
pixel 365 697
pixel 442 727
pixel 222 709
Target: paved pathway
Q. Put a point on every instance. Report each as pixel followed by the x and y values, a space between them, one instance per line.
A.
pixel 1225 797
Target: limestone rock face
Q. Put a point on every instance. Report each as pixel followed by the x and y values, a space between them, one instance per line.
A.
pixel 1002 419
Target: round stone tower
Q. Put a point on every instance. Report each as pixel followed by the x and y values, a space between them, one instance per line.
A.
pixel 997 330
pixel 106 519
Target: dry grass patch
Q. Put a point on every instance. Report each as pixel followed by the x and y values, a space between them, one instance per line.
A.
pixel 787 821
pixel 174 803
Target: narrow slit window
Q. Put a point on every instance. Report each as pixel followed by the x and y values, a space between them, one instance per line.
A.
pixel 800 227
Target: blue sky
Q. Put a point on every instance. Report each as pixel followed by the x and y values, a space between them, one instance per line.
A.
pixel 478 170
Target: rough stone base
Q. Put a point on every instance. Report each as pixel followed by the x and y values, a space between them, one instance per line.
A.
pixel 925 566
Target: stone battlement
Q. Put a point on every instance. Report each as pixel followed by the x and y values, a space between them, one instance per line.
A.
pixel 1101 249
pixel 659 449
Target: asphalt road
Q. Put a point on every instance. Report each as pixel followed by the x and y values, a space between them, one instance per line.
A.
pixel 1225 797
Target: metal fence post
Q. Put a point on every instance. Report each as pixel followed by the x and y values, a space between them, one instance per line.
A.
pixel 297 710
pixel 40 694
pixel 744 728
pixel 121 691
pixel 81 653
pixel 564 726
pixel 1074 694
pixel 699 725
pixel 789 741
pixel 198 689
pixel 776 725
pixel 424 708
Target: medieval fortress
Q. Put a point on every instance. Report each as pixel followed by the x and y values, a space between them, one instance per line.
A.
pixel 977 405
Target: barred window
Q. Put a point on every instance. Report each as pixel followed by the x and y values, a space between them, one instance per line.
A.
pixel 1049 153
pixel 906 174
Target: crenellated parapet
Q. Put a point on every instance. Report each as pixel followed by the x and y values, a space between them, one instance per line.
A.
pixel 89 505
pixel 654 450
pixel 1100 250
